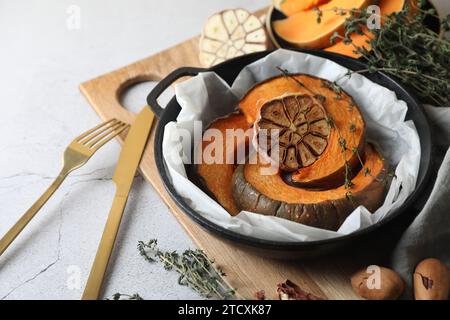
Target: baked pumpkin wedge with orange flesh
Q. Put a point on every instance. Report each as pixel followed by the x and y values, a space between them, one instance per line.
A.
pixel 216 177
pixel 345 139
pixel 327 209
pixel 291 7
pixel 387 7
pixel 303 30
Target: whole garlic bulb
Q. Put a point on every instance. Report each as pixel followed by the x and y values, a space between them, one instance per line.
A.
pixel 229 34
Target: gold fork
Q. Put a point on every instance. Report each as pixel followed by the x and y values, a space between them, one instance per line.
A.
pixel 80 150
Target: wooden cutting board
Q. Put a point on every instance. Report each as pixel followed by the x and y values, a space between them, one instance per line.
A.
pixel 247 272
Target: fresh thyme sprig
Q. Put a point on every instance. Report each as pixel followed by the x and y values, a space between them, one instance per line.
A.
pixel 196 270
pixel 348 174
pixel 403 47
pixel 123 296
pixel 333 86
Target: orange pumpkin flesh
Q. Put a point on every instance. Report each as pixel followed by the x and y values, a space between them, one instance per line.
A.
pixel 387 7
pixel 216 178
pixel 328 209
pixel 328 170
pixel 303 30
pixel 291 7
pixel 348 50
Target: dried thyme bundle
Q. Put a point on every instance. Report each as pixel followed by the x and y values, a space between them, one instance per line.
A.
pixel 405 48
pixel 196 270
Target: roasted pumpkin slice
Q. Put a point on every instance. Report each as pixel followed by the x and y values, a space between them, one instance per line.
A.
pixel 216 177
pixel 326 209
pixel 345 121
pixel 302 29
pixel 291 7
pixel 387 7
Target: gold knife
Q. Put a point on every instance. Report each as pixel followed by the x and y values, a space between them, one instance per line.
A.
pixel 129 160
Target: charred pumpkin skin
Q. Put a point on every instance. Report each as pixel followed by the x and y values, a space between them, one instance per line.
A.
pixel 328 170
pixel 216 179
pixel 326 209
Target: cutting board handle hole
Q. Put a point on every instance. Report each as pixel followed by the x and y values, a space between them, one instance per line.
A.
pixel 132 96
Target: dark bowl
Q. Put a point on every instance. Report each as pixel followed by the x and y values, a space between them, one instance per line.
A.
pixel 387 229
pixel 273 15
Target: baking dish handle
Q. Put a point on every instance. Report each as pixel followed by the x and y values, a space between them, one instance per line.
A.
pixel 152 98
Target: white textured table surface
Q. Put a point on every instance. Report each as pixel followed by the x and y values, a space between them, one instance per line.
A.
pixel 44 56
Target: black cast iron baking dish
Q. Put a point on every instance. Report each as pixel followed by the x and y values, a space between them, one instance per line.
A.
pixel 387 229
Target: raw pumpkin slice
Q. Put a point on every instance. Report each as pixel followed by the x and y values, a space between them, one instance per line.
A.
pixel 229 34
pixel 358 40
pixel 293 131
pixel 343 115
pixel 216 177
pixel 302 29
pixel 387 7
pixel 326 209
pixel 291 7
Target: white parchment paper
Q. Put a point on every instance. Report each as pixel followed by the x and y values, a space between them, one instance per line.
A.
pixel 207 97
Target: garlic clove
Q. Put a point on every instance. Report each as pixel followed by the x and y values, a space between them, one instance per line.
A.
pixel 242 15
pixel 211 46
pixel 251 48
pixel 216 30
pixel 238 34
pixel 252 24
pixel 230 21
pixel 256 36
